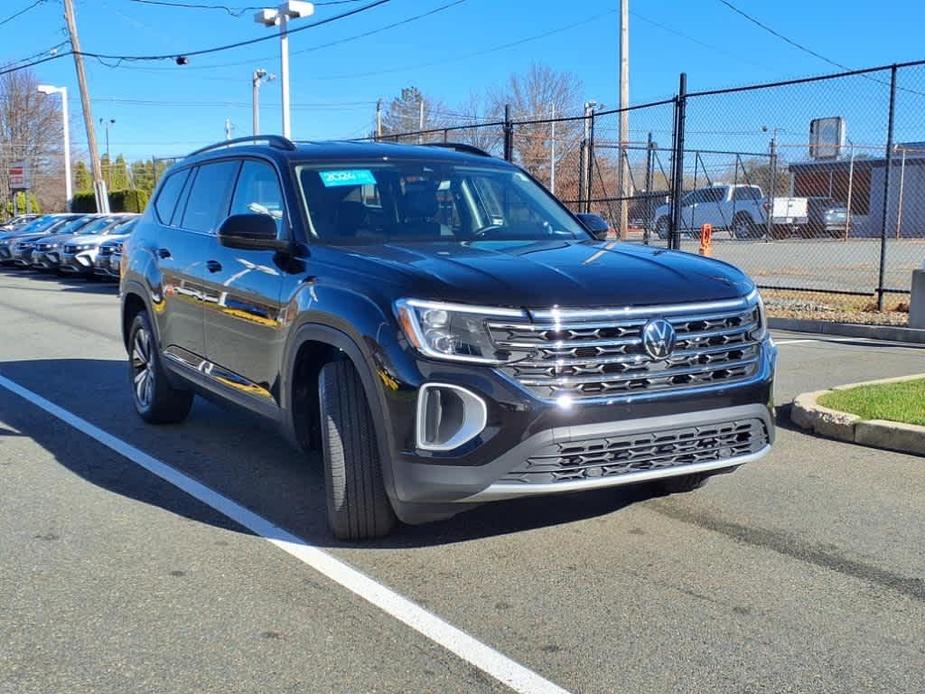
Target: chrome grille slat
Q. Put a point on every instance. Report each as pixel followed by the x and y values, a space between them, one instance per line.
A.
pixel 586 354
pixel 633 375
pixel 628 453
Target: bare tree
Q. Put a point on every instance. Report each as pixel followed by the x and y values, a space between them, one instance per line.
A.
pixel 403 114
pixel 31 132
pixel 536 95
pixel 478 113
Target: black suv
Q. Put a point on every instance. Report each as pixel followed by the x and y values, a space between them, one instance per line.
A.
pixel 440 326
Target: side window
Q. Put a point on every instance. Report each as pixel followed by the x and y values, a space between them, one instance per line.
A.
pixel 208 198
pixel 258 192
pixel 169 194
pixel 714 194
pixel 746 193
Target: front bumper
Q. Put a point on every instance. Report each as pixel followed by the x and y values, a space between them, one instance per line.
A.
pixel 530 447
pixel 82 262
pixel 45 260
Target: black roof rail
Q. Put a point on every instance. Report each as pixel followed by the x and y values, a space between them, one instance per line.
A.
pixel 459 147
pixel 277 141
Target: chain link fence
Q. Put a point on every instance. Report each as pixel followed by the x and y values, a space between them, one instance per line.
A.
pixel 814 186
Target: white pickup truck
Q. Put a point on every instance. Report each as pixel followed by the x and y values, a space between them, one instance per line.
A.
pixel 740 209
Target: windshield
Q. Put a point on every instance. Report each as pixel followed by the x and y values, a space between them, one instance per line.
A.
pixel 39 224
pixel 378 202
pixel 72 226
pixel 98 225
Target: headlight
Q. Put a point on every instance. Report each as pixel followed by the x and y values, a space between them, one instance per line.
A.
pixel 761 330
pixel 453 331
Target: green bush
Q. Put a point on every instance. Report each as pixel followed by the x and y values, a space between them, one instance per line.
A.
pixel 119 201
pixel 21 204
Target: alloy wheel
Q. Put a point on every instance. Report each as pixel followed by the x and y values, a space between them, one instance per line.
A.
pixel 142 368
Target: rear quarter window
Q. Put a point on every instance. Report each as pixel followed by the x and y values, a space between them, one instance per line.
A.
pixel 167 198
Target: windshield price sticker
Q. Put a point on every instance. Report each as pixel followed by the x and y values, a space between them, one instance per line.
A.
pixel 347 177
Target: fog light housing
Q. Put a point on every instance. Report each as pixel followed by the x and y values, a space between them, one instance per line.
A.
pixel 448 416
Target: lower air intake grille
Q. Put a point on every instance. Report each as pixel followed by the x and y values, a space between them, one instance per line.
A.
pixel 628 453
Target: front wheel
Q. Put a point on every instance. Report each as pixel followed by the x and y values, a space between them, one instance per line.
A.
pixel 155 400
pixel 358 506
pixel 662 228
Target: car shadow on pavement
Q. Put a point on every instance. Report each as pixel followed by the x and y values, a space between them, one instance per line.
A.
pixel 241 457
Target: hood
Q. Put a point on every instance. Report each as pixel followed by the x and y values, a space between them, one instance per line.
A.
pixel 54 238
pixel 546 273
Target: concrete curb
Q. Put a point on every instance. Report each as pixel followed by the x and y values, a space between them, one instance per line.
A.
pixel 894 333
pixel 808 414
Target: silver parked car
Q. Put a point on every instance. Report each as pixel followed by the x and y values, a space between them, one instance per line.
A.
pixel 78 253
pixel 109 257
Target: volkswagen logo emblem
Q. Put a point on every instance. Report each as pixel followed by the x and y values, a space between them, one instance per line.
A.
pixel 658 338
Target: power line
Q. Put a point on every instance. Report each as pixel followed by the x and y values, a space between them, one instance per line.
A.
pixel 779 35
pixel 51 50
pixel 22 12
pixel 466 56
pixel 233 11
pixel 319 47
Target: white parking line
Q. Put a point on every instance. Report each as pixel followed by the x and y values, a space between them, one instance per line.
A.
pixel 470 649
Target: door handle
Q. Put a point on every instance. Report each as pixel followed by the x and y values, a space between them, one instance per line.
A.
pixel 163 252
pixel 213 266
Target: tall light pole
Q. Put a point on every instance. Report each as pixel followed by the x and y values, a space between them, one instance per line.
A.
pixel 105 123
pixel 68 183
pixel 260 75
pixel 624 115
pixel 280 16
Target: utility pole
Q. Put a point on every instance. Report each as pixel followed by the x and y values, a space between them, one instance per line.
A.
pixel 421 121
pixel 552 151
pixel 624 114
pixel 99 185
pixel 378 119
pixel 105 123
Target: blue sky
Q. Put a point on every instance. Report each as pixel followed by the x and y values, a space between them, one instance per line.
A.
pixel 163 109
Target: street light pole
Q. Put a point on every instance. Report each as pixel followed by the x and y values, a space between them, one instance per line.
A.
pixel 68 183
pixel 106 123
pixel 259 76
pixel 292 9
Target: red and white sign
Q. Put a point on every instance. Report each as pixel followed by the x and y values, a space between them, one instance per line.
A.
pixel 19 175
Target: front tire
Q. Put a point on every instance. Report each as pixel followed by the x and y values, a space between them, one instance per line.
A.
pixel 155 400
pixel 744 227
pixel 358 506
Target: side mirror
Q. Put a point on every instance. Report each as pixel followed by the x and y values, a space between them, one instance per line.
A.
pixel 251 232
pixel 594 223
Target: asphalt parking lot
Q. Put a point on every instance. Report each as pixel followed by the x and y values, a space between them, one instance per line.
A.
pixel 802 572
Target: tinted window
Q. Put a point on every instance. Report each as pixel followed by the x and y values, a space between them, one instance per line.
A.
pixel 207 203
pixel 258 192
pixel 382 201
pixel 746 193
pixel 170 193
pixel 714 194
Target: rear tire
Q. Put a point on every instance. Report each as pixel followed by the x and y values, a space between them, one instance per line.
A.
pixel 684 483
pixel 358 506
pixel 155 400
pixel 743 227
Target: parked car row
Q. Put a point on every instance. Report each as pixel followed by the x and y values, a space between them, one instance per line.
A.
pixel 84 245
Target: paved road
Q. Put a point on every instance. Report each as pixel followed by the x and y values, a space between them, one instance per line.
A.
pixel 803 572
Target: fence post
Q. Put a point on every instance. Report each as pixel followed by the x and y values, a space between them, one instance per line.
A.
pixel 590 171
pixel 674 235
pixel 771 193
pixel 886 186
pixel 508 134
pixel 650 145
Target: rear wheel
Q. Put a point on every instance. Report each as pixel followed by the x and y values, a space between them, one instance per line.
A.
pixel 358 506
pixel 155 400
pixel 743 227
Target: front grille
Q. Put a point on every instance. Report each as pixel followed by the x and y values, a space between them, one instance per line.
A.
pixel 628 453
pixel 581 354
pixel 70 248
